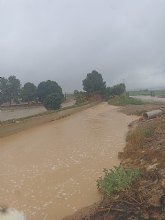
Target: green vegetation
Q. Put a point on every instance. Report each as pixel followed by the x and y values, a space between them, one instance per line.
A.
pixel 9 89
pixel 53 101
pixel 139 92
pixel 159 93
pixel 94 85
pixel 48 87
pixel 50 94
pixel 29 92
pixel 118 89
pixel 124 100
pixel 80 97
pixel 116 180
pixel 94 88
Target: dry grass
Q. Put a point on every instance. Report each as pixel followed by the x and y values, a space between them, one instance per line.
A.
pixel 124 100
pixel 146 143
pixel 140 134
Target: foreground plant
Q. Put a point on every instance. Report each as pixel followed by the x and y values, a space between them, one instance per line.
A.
pixel 117 179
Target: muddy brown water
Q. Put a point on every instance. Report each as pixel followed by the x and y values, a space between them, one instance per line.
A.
pixel 50 171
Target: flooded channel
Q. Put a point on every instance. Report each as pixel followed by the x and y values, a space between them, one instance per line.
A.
pixel 50 171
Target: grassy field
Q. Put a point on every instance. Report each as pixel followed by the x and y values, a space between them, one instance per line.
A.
pixel 159 93
pixel 124 100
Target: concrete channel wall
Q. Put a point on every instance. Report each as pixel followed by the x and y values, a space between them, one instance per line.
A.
pixel 22 124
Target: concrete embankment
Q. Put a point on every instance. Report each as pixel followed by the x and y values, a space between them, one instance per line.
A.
pixel 25 123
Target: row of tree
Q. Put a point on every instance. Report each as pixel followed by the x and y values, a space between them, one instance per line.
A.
pixel 95 89
pixel 9 89
pixel 94 85
pixel 50 93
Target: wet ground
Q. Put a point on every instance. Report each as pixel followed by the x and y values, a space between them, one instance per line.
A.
pixel 50 171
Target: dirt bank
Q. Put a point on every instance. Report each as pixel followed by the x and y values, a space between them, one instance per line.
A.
pixel 9 113
pixel 145 149
pixel 139 109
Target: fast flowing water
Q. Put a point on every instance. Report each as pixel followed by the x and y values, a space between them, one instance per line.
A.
pixel 50 171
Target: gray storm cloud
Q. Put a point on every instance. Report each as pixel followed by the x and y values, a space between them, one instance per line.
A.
pixel 63 40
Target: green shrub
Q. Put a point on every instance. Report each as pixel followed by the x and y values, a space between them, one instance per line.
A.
pixel 116 180
pixel 53 101
pixel 124 100
pixel 80 97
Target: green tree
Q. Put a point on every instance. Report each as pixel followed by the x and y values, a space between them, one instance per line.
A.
pixel 10 89
pixel 118 89
pixel 53 101
pixel 93 84
pixel 3 90
pixel 48 87
pixel 14 87
pixel 29 92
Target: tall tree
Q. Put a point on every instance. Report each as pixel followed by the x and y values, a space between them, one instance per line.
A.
pixel 93 84
pixel 9 89
pixel 14 87
pixel 3 90
pixel 48 87
pixel 29 92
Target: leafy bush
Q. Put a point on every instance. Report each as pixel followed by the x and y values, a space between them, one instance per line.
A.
pixel 53 101
pixel 48 87
pixel 80 97
pixel 116 180
pixel 118 89
pixel 124 100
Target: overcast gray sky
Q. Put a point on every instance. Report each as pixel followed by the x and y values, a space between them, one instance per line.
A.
pixel 63 40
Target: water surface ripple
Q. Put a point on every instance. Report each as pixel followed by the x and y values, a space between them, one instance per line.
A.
pixel 50 171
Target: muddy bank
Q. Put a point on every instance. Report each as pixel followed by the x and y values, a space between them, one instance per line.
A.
pixel 139 109
pixel 145 149
pixel 21 124
pixel 50 171
pixel 15 112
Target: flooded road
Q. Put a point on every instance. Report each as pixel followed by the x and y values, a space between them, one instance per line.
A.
pixel 8 114
pixel 50 171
